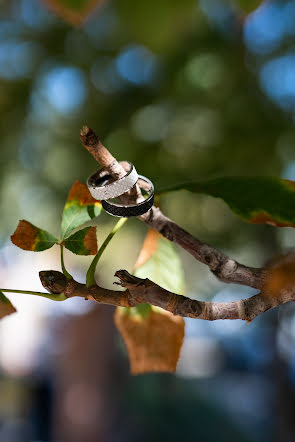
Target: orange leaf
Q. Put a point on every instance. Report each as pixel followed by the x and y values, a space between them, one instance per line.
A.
pixel 280 275
pixel 6 308
pixel 29 237
pixel 72 11
pixel 80 192
pixel 24 235
pixel 153 343
pixel 80 207
pixel 90 241
pixel 149 247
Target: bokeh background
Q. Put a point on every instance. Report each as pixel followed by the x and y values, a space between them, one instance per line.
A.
pixel 186 91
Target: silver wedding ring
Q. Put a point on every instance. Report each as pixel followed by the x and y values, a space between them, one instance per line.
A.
pixel 100 189
pixel 128 211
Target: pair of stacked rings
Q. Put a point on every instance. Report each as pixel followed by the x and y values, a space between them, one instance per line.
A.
pixel 101 188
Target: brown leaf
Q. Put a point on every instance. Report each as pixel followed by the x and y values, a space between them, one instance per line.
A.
pixel 153 343
pixel 149 247
pixel 29 237
pixel 25 235
pixel 6 308
pixel 80 192
pixel 90 241
pixel 280 274
pixel 73 14
pixel 265 218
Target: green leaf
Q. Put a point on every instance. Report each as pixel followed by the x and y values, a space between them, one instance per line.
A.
pixel 256 200
pixel 83 242
pixel 143 310
pixel 6 308
pixel 161 264
pixel 80 207
pixel 158 261
pixel 29 237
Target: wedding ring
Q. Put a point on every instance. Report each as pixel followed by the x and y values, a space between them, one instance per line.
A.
pixel 128 211
pixel 100 189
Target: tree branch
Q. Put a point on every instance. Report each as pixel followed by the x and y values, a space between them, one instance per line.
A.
pixel 223 267
pixel 146 291
pixel 276 283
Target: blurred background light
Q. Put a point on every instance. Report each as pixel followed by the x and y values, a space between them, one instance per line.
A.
pixel 269 25
pixel 102 29
pixel 18 59
pixel 206 71
pixel 289 172
pixel 277 79
pixel 193 128
pixel 105 76
pixel 10 30
pixel 265 28
pixel 285 146
pixel 150 122
pixel 137 65
pixel 35 15
pixel 200 357
pixel 65 88
pixel 219 12
pixel 79 46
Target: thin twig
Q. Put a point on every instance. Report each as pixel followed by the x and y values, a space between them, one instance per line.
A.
pixel 64 270
pixel 53 297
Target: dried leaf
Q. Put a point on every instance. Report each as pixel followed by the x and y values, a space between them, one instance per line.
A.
pixel 280 275
pixel 153 343
pixel 83 242
pixel 153 336
pixel 73 11
pixel 6 308
pixel 80 192
pixel 29 237
pixel 80 207
pixel 90 241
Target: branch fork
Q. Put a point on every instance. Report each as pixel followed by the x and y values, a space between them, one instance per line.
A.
pixel 140 290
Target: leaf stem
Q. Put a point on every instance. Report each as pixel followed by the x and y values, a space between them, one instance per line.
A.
pixel 90 280
pixel 57 297
pixel 64 270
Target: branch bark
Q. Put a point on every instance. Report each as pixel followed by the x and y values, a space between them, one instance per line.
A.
pixel 146 291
